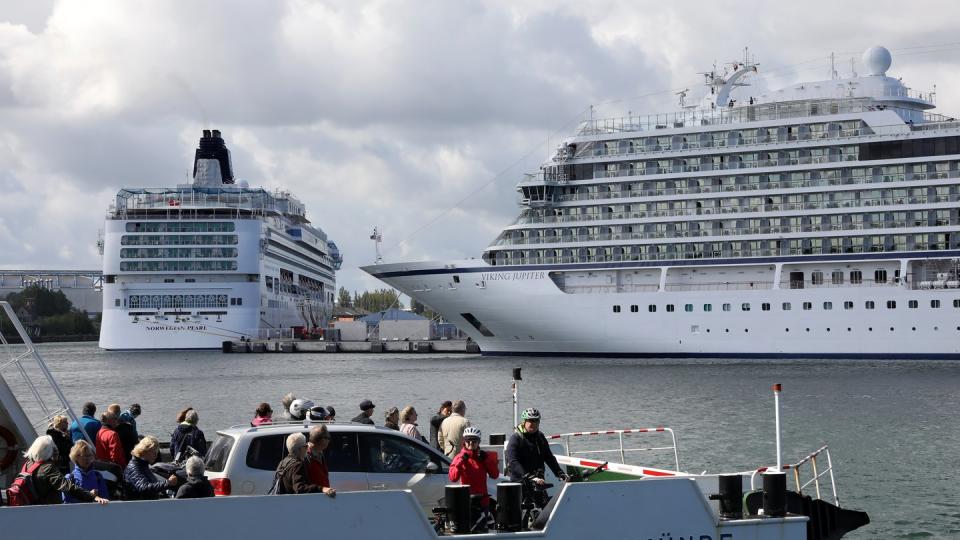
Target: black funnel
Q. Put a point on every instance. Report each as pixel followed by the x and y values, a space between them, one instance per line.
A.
pixel 213 147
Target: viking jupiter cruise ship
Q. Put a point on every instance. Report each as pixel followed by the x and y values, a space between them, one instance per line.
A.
pixel 817 221
pixel 192 266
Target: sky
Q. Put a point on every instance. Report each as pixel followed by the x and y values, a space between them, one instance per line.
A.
pixel 417 117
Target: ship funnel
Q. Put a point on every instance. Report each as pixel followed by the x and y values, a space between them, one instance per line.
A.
pixel 212 165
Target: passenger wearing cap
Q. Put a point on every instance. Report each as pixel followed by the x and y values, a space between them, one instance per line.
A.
pixel 366 411
pixel 130 415
pixel 392 419
pixel 472 466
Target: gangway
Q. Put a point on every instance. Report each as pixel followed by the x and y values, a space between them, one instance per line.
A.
pixel 23 369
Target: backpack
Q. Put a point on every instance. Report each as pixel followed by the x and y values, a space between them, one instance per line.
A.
pixel 22 492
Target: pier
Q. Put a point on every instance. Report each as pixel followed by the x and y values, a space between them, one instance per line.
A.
pixel 318 346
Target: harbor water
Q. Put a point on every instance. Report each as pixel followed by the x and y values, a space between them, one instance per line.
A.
pixel 892 426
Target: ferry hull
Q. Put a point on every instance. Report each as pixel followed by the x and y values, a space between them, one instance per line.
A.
pixel 523 312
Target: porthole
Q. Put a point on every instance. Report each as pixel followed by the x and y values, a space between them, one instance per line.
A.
pixel 808 329
pixel 746 329
pixel 870 329
pixel 848 329
pixel 891 329
pixel 914 328
pixel 727 330
pixel 708 330
pixel 828 329
pixel 787 329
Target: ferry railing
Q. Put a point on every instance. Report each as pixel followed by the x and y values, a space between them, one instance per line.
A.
pixel 815 475
pixel 621 450
pixel 30 358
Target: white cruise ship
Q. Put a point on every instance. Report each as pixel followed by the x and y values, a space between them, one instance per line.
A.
pixel 819 220
pixel 191 266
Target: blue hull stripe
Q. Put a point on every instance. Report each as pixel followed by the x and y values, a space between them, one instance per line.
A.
pixel 770 356
pixel 677 262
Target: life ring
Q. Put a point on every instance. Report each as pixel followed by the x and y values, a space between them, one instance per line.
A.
pixel 11 453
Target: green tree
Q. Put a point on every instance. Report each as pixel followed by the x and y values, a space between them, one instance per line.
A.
pixel 343 297
pixel 40 302
pixel 378 300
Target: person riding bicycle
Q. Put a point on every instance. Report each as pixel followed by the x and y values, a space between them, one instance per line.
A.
pixel 528 453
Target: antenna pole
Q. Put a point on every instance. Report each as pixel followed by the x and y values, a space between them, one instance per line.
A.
pixel 776 407
pixel 377 238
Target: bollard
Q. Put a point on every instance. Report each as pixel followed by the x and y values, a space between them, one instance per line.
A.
pixel 730 496
pixel 509 500
pixel 457 500
pixel 774 494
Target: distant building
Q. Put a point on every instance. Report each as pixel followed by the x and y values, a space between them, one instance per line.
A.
pixel 397 324
pixel 84 288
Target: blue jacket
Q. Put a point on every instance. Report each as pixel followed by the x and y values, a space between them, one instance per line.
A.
pixel 190 435
pixel 139 481
pixel 89 479
pixel 89 424
pixel 128 418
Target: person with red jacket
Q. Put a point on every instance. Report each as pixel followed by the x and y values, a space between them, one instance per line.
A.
pixel 472 465
pixel 317 471
pixel 109 446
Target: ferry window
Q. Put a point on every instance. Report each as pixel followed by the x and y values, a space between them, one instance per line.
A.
pixel 786 306
pixel 856 277
pixel 935 304
pixel 828 305
pixel 634 308
pixel 456 279
pixel 891 304
pixel 688 308
pixel 726 307
pixel 869 304
pixel 765 306
pixel 745 306
pixel 837 277
pixel 816 278
pixel 708 307
pixel 880 276
pixel 807 306
pixel 912 304
pixel 616 309
pixel 848 305
pixel 652 308
pixel 670 308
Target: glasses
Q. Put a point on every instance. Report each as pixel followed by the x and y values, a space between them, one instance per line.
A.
pixel 471 441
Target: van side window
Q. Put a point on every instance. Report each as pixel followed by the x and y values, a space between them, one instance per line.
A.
pixel 389 454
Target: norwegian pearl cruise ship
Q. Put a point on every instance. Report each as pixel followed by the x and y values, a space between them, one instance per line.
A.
pixel 819 220
pixel 191 266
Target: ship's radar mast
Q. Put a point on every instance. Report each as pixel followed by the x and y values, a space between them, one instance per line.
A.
pixel 721 84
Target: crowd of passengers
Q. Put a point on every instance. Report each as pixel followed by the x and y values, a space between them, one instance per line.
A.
pixel 68 463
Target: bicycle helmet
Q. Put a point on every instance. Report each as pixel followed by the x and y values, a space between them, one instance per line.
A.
pixel 318 413
pixel 471 432
pixel 530 414
pixel 299 408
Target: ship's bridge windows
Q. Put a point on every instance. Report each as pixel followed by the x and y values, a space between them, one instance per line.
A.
pixel 181 226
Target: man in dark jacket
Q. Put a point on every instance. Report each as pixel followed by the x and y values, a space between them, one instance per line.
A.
pixel 291 476
pixel 126 430
pixel 445 408
pixel 366 411
pixel 197 485
pixel 528 452
pixel 188 434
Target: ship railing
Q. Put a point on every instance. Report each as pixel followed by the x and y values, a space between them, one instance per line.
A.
pixel 598 440
pixel 816 474
pixel 25 375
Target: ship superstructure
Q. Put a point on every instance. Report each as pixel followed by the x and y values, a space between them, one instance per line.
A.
pixel 197 264
pixel 818 220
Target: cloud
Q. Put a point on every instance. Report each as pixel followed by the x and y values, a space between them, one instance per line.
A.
pixel 418 117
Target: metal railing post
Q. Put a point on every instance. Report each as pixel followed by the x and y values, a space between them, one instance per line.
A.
pixel 816 477
pixel 833 482
pixel 623 458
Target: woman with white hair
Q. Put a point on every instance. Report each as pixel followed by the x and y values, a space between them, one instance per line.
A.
pixel 139 481
pixel 291 476
pixel 188 434
pixel 48 482
pixel 197 486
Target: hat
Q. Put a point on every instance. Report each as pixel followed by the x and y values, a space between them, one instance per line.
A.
pixel 392 411
pixel 135 409
pixel 331 411
pixel 366 404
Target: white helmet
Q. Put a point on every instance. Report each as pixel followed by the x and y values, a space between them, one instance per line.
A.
pixel 471 432
pixel 299 408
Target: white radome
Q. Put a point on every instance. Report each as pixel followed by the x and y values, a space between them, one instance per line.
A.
pixel 877 60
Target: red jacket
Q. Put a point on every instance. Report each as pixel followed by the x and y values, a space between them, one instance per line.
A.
pixel 109 447
pixel 317 471
pixel 471 469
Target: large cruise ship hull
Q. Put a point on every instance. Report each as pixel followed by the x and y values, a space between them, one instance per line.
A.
pixel 520 310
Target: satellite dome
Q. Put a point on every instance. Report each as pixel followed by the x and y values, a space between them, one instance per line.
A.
pixel 244 184
pixel 877 60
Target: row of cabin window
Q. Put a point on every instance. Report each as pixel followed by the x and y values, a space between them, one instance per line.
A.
pixel 786 306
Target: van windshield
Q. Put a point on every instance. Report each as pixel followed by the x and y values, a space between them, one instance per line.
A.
pixel 217 455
